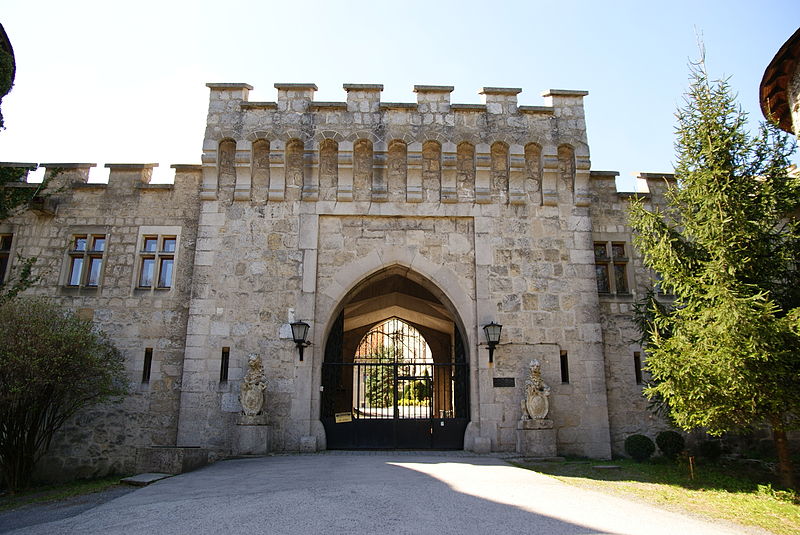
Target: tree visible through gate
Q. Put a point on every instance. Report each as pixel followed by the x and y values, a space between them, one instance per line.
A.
pixel 393 392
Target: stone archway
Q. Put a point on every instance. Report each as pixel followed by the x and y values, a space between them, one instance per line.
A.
pixel 394 334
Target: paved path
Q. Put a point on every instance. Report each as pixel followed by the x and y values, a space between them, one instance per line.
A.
pixel 374 494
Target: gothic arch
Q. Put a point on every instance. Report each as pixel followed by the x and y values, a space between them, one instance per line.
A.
pixel 440 280
pixel 362 304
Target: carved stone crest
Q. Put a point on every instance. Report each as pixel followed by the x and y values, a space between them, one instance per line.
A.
pixel 535 405
pixel 251 394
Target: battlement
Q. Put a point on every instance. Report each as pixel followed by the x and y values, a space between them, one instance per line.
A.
pixel 365 98
pixel 123 178
pixel 364 149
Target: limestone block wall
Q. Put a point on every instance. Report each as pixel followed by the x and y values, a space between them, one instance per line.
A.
pixel 246 279
pixel 298 201
pixel 301 200
pixel 104 439
pixel 627 407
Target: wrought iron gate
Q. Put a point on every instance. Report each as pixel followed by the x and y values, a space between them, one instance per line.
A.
pixel 393 393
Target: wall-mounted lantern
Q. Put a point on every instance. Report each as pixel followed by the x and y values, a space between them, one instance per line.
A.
pixel 492 331
pixel 299 333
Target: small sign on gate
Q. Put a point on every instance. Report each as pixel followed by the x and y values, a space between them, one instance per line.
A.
pixel 343 417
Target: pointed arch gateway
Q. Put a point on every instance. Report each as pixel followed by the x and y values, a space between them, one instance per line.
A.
pixel 395 373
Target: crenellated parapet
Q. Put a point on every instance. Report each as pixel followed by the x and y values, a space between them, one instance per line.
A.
pixel 363 149
pixel 124 179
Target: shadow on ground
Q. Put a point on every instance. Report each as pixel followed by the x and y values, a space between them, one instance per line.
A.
pixel 728 476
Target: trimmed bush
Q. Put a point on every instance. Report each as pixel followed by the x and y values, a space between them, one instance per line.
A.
pixel 639 447
pixel 670 443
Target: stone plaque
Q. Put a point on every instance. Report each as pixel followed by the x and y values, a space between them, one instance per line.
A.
pixel 504 382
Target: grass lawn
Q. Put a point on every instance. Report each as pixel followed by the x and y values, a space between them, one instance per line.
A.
pixel 57 492
pixel 718 491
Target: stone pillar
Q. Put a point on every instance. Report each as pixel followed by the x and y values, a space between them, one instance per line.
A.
pixel 125 177
pixel 295 97
pixel 310 172
pixel 414 172
pixel 563 100
pixel 483 173
pixel 208 189
pixel 536 438
pixel 186 176
pixel 344 187
pixel 224 99
pixel 277 170
pixel 432 99
pixel 252 439
pixel 549 176
pixel 241 162
pixel 568 105
pixel 449 173
pixel 380 186
pixel 657 184
pixel 582 168
pixel 516 175
pixel 501 100
pixel 68 173
pixel 363 98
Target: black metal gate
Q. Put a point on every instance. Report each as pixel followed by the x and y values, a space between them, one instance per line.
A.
pixel 392 393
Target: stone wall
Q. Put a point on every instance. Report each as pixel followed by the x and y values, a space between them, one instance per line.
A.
pixel 296 203
pixel 487 201
pixel 104 439
pixel 628 409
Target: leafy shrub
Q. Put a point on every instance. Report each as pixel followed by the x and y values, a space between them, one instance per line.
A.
pixel 52 364
pixel 639 447
pixel 417 391
pixel 404 402
pixel 710 450
pixel 670 443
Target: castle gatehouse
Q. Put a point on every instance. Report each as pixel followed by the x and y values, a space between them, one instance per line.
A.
pixel 391 234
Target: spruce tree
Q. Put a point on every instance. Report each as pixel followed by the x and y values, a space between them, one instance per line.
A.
pixel 726 355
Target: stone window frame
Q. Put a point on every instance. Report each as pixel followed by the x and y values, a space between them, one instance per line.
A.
pixel 611 261
pixel 87 255
pixel 160 234
pixel 6 253
pixel 138 362
pixel 638 368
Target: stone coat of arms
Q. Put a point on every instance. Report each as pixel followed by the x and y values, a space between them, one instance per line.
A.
pixel 535 405
pixel 251 394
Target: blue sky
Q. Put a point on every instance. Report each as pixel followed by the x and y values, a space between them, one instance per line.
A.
pixel 113 82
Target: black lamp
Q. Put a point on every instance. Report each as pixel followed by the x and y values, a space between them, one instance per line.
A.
pixel 492 331
pixel 299 333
